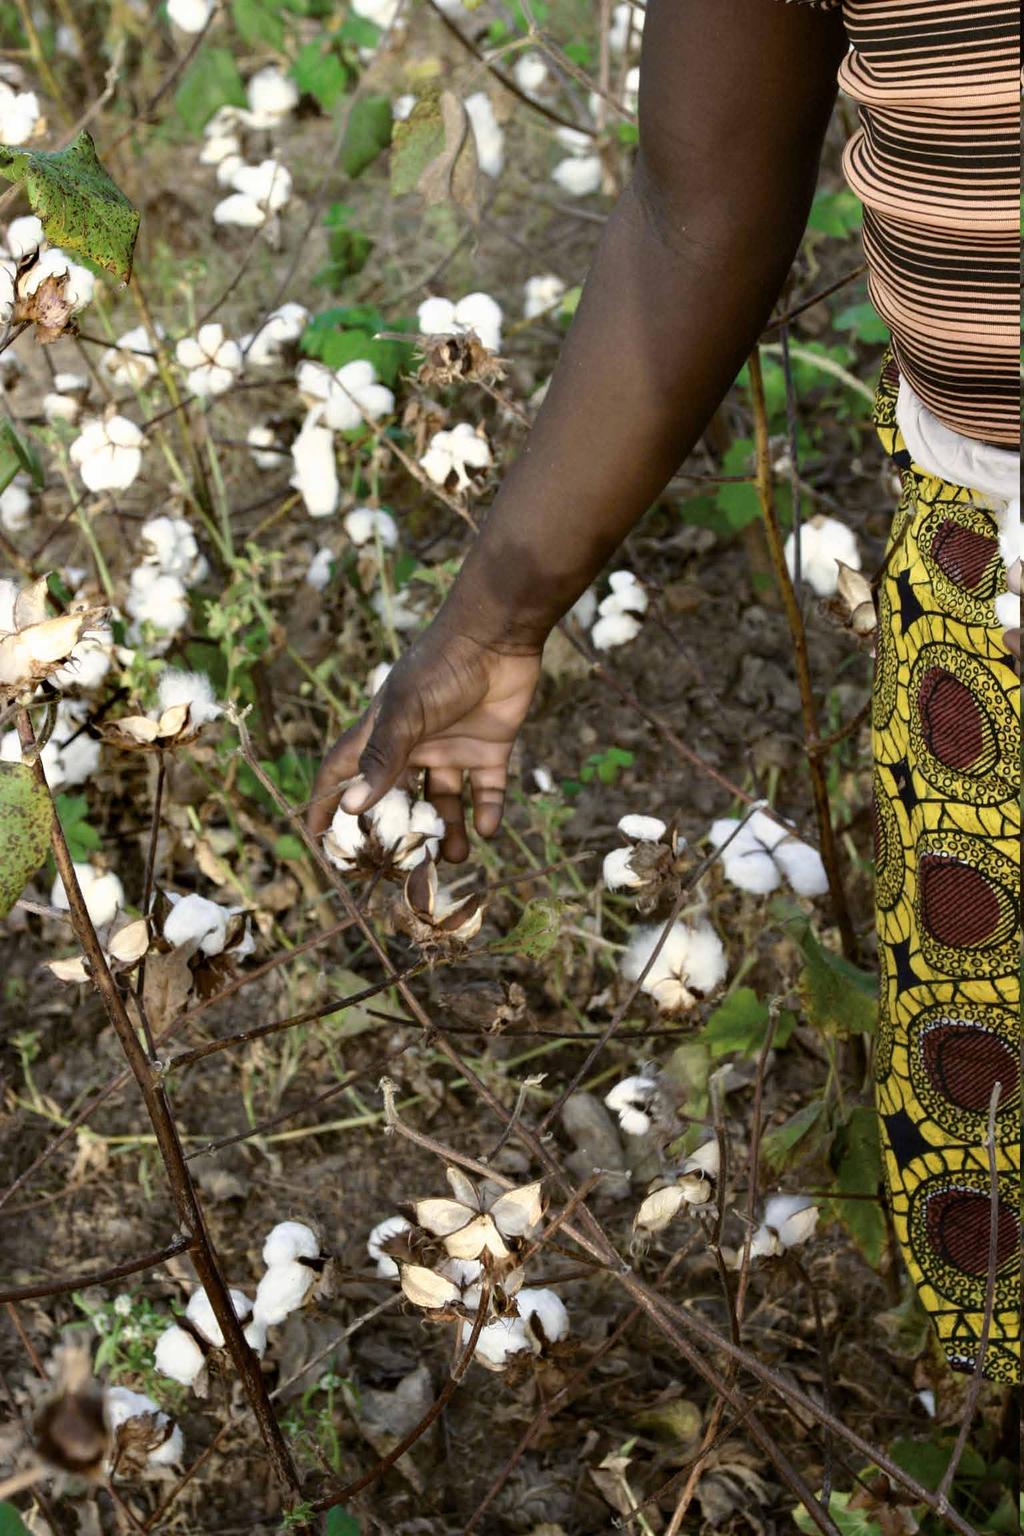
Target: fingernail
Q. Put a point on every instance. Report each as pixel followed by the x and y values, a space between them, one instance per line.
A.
pixel 355 797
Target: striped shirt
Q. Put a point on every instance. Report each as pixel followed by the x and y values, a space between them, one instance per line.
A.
pixel 936 163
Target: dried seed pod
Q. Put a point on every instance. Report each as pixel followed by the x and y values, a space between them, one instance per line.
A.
pixel 69 1428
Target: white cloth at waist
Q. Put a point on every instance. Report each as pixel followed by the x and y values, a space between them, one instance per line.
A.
pixel 959 460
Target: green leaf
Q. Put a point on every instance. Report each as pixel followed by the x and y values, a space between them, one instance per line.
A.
pixel 851 1522
pixel 288 846
pixel 25 820
pixel 82 838
pixel 360 31
pixel 319 72
pixel 779 1142
pixel 11 1523
pixel 81 208
pixel 856 1157
pixel 340 1524
pixel 536 933
pixel 257 21
pixel 739 1024
pixel 211 81
pixel 836 213
pixel 367 132
pixel 864 321
pixel 15 456
pixel 839 999
pixel 433 152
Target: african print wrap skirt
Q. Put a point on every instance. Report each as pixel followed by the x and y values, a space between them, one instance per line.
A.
pixel 946 738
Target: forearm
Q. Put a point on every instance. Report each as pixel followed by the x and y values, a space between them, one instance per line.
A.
pixel 684 278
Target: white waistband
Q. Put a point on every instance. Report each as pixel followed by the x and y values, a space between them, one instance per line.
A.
pixel 951 456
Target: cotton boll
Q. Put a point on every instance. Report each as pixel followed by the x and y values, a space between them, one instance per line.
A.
pixel 344 840
pixel 498 1340
pixel 15 505
pixel 130 361
pixel 530 73
pixel 1007 606
pixel 263 449
pixel 218 146
pixel 189 15
pixel 490 140
pixel 365 525
pixel 455 452
pixel 256 1337
pixel 211 359
pixel 436 317
pixel 196 922
pixel 642 829
pixel 226 171
pixel 268 184
pixel 102 893
pixel 355 396
pixel 627 594
pixel 108 453
pixel 395 609
pixel 402 106
pixel 178 1356
pixel 171 1452
pixel 87 665
pixel 793 1217
pixel 240 211
pixel 627 27
pixel 480 313
pixel 288 1241
pixel 320 568
pixel 802 867
pixel 391 818
pixel 19 115
pixel 58 407
pixel 79 282
pixel 614 629
pixel 191 688
pixel 617 871
pixel 281 327
pixel 632 1099
pixel 706 1159
pixel 541 294
pixel 705 959
pixel 548 1308
pixel 201 1315
pixel 24 236
pixel 157 599
pixel 824 541
pixel 690 961
pixel 579 176
pixel 392 1226
pixel 751 869
pixel 120 1405
pixel 282 1290
pixel 171 545
pixel 315 474
pixel 272 96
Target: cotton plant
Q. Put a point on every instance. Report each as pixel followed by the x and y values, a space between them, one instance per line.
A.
pixel 689 966
pixel 456 457
pixel 272 96
pixel 396 834
pixel 170 544
pixel 487 133
pixel 211 359
pixel 351 395
pixel 825 543
pixel 382 1238
pixel 788 1221
pixel 476 312
pixel 635 1101
pixel 157 599
pixel 32 643
pixel 258 192
pixel 620 614
pixel 315 466
pixel 70 757
pixel 759 852
pixel 264 448
pixel 182 1349
pixel 185 703
pixel 531 73
pixel 580 173
pixel 371 525
pixel 15 506
pixel 190 16
pixel 646 863
pixel 108 453
pixel 204 928
pixel 538 1319
pixel 279 331
pixel 691 1188
pixel 541 294
pixel 131 361
pixel 102 893
pixel 65 401
pixel 440 923
pixel 21 116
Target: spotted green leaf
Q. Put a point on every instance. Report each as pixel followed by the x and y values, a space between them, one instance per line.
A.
pixel 82 209
pixel 25 819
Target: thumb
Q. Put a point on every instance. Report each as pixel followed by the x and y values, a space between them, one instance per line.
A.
pixel 383 759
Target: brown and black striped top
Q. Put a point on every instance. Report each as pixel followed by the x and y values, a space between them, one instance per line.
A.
pixel 936 162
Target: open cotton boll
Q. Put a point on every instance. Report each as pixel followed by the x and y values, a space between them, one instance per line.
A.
pixel 632 1099
pixel 383 13
pixel 392 1226
pixel 178 1356
pixel 189 15
pixel 171 546
pixel 691 960
pixel 614 629
pixel 225 177
pixel 156 598
pixel 191 688
pixel 541 293
pixel 793 1217
pixel 480 313
pixel 272 95
pixel 201 1315
pixel 211 359
pixel 626 27
pixel 391 818
pixel 290 1240
pixel 642 829
pixel 315 474
pixel 87 666
pixel 108 453
pixel 15 504
pixel 1007 606
pixel 19 114
pixel 218 146
pixel 269 184
pixel 530 73
pixel 349 397
pixel 102 893
pixel 365 525
pixel 344 840
pixel 263 447
pixel 281 327
pixel 256 1337
pixel 320 568
pixel 579 175
pixel 121 1404
pixel 197 922
pixel 282 1290
pixel 455 452
pixel 239 210
pixel 24 236
pixel 802 866
pixel 130 361
pixel 824 542
pixel 547 1307
pixel 498 1340
pixel 627 592
pixel 436 316
pixel 79 282
pixel 490 140
pixel 617 871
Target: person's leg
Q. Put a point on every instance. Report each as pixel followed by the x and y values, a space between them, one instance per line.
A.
pixel 946 737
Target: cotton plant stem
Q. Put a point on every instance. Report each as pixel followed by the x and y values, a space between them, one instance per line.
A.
pixel 794 618
pixel 182 1187
pixel 79 1282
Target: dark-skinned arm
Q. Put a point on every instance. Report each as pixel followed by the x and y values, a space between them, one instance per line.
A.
pixel 735 97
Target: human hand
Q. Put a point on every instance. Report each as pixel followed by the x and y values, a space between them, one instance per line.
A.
pixel 453 705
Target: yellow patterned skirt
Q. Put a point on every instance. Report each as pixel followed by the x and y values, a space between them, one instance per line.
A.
pixel 946 738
